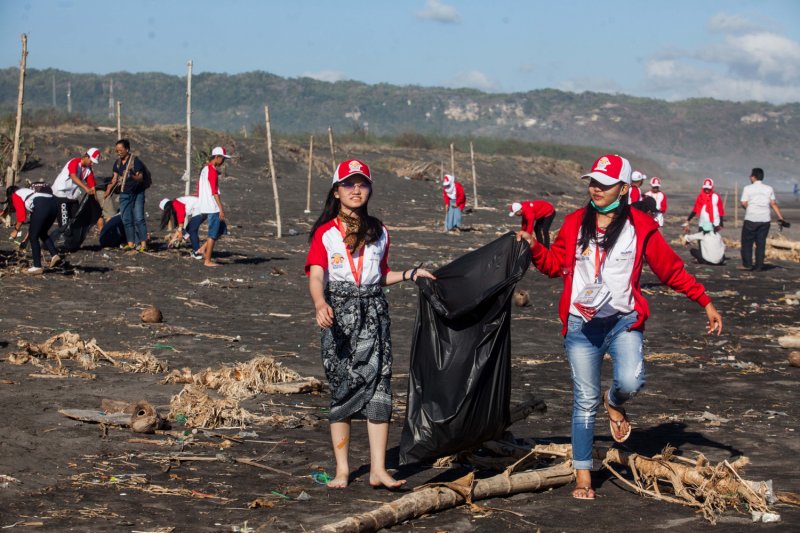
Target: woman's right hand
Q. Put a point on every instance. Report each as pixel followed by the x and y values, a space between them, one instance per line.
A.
pixel 525 235
pixel 324 315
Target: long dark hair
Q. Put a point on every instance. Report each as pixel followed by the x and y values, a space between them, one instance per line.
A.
pixel 589 225
pixel 370 229
pixel 168 215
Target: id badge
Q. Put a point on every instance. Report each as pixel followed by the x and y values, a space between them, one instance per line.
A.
pixel 591 294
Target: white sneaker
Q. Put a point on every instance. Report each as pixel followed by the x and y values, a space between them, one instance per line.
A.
pixel 195 255
pixel 35 271
pixel 55 261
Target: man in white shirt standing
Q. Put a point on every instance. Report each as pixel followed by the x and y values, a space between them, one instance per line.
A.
pixel 757 198
pixel 211 203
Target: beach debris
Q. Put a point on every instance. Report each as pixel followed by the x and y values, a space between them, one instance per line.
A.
pixel 521 298
pixel 140 416
pixel 194 405
pixel 70 346
pixel 789 341
pixel 794 358
pixel 6 481
pixel 166 330
pixel 262 374
pixel 152 315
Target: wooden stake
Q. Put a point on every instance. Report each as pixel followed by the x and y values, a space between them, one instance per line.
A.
pixel 272 173
pixel 11 173
pixel 333 151
pixel 310 163
pixel 119 119
pixel 452 160
pixel 474 175
pixel 69 97
pixel 736 206
pixel 188 173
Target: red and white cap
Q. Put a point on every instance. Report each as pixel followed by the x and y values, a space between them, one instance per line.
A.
pixel 351 167
pixel 610 169
pixel 637 176
pixel 94 155
pixel 219 150
pixel 655 182
pixel 447 180
pixel 515 208
pixel 708 183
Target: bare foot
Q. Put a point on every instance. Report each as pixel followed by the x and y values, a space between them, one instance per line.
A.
pixel 211 264
pixel 340 481
pixel 378 479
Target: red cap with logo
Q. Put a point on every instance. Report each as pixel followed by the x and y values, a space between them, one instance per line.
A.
pixel 610 169
pixel 94 155
pixel 655 182
pixel 351 167
pixel 708 183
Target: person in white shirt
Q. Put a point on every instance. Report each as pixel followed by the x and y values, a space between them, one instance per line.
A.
pixel 712 247
pixel 757 198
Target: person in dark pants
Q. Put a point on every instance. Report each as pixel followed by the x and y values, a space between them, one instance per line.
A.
pixel 129 178
pixel 757 198
pixel 537 217
pixel 43 209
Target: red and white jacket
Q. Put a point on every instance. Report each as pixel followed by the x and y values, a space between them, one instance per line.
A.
pixel 559 260
pixel 22 201
pixel 207 188
pixel 634 195
pixel 329 251
pixel 661 200
pixel 185 208
pixel 533 211
pixel 461 198
pixel 64 187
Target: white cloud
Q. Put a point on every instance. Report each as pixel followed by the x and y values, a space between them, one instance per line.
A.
pixel 474 79
pixel 325 75
pixel 438 11
pixel 749 63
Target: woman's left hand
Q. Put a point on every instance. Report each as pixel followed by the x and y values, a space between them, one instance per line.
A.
pixel 421 272
pixel 714 320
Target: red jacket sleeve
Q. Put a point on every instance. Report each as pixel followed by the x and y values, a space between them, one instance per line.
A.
pixel 698 205
pixel 461 198
pixel 317 254
pixel 90 180
pixel 528 217
pixel 19 208
pixel 669 268
pixel 72 166
pixel 549 261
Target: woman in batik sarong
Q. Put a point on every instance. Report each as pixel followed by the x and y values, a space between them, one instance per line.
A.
pixel 347 265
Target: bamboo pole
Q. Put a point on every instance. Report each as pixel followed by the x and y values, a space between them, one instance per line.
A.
pixel 736 206
pixel 310 163
pixel 11 173
pixel 272 173
pixel 69 97
pixel 119 119
pixel 333 151
pixel 188 174
pixel 474 175
pixel 452 160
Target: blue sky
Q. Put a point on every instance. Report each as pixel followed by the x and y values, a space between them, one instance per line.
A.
pixel 672 49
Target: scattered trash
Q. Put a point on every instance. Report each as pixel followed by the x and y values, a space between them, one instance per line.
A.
pixel 276 493
pixel 765 518
pixel 776 413
pixel 303 496
pixel 5 481
pixel 247 434
pixel 522 298
pixel 321 477
pixel 711 417
pixel 794 359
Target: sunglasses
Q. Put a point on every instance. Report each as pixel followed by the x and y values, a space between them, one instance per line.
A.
pixel 347 185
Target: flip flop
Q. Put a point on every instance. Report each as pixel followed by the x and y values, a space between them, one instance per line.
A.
pixel 616 425
pixel 583 493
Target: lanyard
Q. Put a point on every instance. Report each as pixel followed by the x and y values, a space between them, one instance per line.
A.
pixel 356 272
pixel 599 259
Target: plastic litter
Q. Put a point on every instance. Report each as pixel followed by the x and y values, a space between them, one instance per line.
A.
pixel 303 496
pixel 321 477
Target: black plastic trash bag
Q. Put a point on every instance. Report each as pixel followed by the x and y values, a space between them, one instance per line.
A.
pixel 460 377
pixel 75 219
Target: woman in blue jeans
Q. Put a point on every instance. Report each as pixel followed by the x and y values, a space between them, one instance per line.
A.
pixel 129 177
pixel 599 252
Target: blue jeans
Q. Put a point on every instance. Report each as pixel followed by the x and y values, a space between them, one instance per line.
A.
pixel 193 229
pixel 453 219
pixel 586 343
pixel 131 207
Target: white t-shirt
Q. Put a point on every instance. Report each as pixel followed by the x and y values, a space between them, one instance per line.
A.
pixel 712 247
pixel 758 197
pixel 208 186
pixel 64 187
pixel 29 195
pixel 616 272
pixel 329 251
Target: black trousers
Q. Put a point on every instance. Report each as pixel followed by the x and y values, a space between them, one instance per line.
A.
pixel 542 229
pixel 698 254
pixel 44 214
pixel 754 232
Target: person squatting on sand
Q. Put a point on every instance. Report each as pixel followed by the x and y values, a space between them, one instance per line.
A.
pixel 537 217
pixel 600 251
pixel 712 247
pixel 43 209
pixel 756 199
pixel 184 213
pixel 454 202
pixel 660 198
pixel 347 265
pixel 77 176
pixel 211 205
pixel 707 207
pixel 128 176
